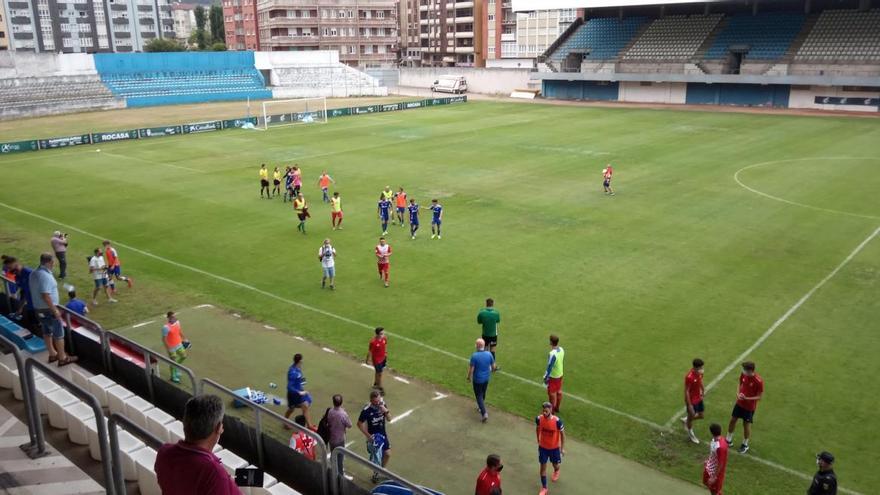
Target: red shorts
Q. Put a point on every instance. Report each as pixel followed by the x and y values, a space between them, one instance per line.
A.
pixel 335 214
pixel 554 385
pixel 383 267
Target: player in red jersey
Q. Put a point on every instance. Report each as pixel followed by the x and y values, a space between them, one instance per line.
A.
pixel 606 179
pixel 716 464
pixel 751 389
pixel 377 352
pixel 693 398
pixel 489 480
pixel 383 259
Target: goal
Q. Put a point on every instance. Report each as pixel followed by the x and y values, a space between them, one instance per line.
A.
pixel 292 112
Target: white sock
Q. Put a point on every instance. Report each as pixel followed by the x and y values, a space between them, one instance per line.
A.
pixel 746 442
pixel 729 438
pixel 691 431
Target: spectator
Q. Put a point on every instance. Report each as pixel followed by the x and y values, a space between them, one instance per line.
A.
pixel 78 306
pixel 59 246
pixel 189 466
pixel 11 288
pixel 825 481
pixel 302 442
pixel 480 370
pixel 489 481
pixel 22 304
pixel 98 269
pixel 371 422
pixel 175 342
pixel 338 421
pixel 297 396
pixel 44 286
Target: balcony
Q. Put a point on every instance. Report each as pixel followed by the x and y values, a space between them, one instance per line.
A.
pixel 283 21
pixel 120 20
pixel 464 34
pixel 118 7
pixel 294 41
pixel 19 5
pixel 145 8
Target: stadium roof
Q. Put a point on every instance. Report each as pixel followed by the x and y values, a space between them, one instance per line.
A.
pixel 525 5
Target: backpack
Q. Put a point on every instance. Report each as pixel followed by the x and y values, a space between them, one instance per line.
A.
pixel 324 427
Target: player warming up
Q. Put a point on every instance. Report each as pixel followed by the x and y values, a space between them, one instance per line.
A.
pixel 751 388
pixel 383 259
pixel 551 443
pixel 400 203
pixel 384 212
pixel 324 182
pixel 114 268
pixel 606 179
pixel 264 182
pixel 553 374
pixel 413 218
pixel 336 211
pixel 437 218
pixel 693 398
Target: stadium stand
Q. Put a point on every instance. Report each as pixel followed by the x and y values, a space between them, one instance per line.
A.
pixel 330 80
pixel 600 38
pixel 843 36
pixel 147 79
pixel 765 36
pixel 674 38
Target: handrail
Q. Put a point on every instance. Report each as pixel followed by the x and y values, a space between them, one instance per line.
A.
pixel 148 367
pixel 147 437
pixel 68 315
pixel 343 452
pixel 19 363
pixel 258 410
pixel 84 396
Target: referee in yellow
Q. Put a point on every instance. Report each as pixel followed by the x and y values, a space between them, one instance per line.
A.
pixel 264 182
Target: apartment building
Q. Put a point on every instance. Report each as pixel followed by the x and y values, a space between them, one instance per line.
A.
pixel 184 18
pixel 449 33
pixel 242 27
pixel 87 27
pixel 364 32
pixel 516 39
pixel 4 33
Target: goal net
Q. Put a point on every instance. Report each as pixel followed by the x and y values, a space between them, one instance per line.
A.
pixel 292 112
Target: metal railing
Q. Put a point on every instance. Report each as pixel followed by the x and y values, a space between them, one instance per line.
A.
pixel 19 364
pixel 147 354
pixel 68 316
pixel 39 448
pixel 341 453
pixel 144 435
pixel 259 411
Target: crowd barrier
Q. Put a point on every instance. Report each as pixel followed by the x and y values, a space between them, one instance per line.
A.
pixel 211 125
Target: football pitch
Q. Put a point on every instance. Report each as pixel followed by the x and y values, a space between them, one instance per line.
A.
pixel 731 236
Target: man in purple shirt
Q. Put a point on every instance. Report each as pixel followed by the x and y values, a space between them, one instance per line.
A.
pixel 59 246
pixel 189 466
pixel 338 421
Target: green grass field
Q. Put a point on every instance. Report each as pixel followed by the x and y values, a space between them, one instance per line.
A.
pixel 724 226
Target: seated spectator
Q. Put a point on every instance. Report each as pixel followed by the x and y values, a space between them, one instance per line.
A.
pixel 189 466
pixel 301 442
pixel 78 306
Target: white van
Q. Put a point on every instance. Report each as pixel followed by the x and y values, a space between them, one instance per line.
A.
pixel 450 84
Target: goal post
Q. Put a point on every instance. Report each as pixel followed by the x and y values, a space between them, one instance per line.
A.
pixel 277 113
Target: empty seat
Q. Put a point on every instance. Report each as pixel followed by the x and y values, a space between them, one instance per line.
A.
pixel 78 417
pixel 136 409
pixel 80 377
pixel 145 460
pixel 98 385
pixel 6 375
pixel 58 401
pixel 281 489
pixel 158 423
pixel 117 396
pixel 231 461
pixel 843 36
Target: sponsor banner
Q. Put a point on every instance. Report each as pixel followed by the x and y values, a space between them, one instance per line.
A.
pixel 281 118
pixel 61 142
pixel 306 116
pixel 103 137
pixel 363 110
pixel 19 146
pixel 391 107
pixel 214 125
pixel 412 104
pixel 171 130
pixel 457 99
pixel 339 112
pixel 237 123
pixel 847 100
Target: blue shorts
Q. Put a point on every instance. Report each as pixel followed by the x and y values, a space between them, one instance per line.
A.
pixel 381 366
pixel 607 182
pixel 114 270
pixel 553 455
pixel 384 216
pixel 699 407
pixel 435 221
pixel 295 399
pixel 413 221
pixel 50 325
pixel 330 272
pixel 101 282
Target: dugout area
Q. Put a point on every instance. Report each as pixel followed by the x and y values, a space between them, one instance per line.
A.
pixel 436 436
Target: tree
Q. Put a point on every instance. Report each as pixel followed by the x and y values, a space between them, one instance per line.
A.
pixel 163 45
pixel 200 34
pixel 218 47
pixel 218 29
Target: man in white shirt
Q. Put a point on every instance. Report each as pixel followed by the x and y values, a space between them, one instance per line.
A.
pixel 98 269
pixel 327 256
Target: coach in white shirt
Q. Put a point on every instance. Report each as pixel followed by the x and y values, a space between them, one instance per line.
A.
pixel 98 269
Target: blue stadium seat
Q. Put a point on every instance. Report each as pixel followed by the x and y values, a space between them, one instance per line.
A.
pixel 21 337
pixel 768 35
pixel 602 37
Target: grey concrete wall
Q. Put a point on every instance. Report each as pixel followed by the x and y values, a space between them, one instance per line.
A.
pixel 58 108
pixel 487 81
pixel 26 64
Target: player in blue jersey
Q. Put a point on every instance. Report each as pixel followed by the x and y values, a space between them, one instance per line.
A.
pixel 288 185
pixel 384 212
pixel 437 219
pixel 413 217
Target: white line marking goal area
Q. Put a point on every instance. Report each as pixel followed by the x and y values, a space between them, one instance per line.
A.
pixel 584 400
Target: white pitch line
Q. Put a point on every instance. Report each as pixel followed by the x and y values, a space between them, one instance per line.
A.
pixel 365 365
pixel 401 380
pixel 236 315
pixel 200 306
pixel 143 324
pixel 349 444
pixel 297 337
pixel 401 416
pixel 338 317
pixel 269 327
pixel 792 310
pixel 327 349
pixel 439 396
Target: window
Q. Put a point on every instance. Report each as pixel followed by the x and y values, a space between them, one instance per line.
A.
pixel 380 14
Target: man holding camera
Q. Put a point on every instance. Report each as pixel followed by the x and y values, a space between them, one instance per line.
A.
pixel 59 246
